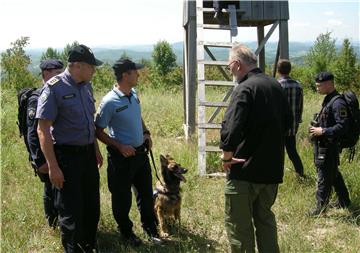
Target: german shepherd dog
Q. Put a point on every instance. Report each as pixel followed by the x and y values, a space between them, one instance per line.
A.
pixel 167 194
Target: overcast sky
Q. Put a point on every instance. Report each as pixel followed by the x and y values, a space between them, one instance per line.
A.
pixel 136 22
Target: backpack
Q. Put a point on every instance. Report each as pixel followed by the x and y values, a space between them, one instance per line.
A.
pixel 351 137
pixel 23 96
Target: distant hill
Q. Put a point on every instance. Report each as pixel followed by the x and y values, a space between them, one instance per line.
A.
pixel 297 51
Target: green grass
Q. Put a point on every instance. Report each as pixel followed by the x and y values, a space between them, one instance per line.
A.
pixel 23 227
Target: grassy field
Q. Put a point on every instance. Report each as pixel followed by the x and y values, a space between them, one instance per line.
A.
pixel 23 227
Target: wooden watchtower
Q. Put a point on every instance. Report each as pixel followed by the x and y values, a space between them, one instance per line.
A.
pixel 199 16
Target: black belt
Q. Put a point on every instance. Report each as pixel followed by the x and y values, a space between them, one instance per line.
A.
pixel 75 148
pixel 142 149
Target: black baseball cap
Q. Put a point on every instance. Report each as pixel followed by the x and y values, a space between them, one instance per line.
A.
pixel 82 53
pixel 123 65
pixel 49 64
pixel 324 76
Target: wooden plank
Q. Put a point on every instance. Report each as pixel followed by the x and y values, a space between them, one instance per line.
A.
pixel 271 10
pixel 246 7
pixel 216 27
pixel 284 10
pixel 262 43
pixel 214 63
pixel 261 53
pixel 216 174
pixel 209 126
pixel 212 104
pixel 257 10
pixel 218 83
pixel 217 44
pixel 201 89
pixel 284 39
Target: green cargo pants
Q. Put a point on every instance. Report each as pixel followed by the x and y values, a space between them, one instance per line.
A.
pixel 248 205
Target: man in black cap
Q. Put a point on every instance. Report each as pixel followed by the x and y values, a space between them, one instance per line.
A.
pixel 327 127
pixel 49 68
pixel 67 136
pixel 127 144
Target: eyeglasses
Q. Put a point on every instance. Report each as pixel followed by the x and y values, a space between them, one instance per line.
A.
pixel 229 66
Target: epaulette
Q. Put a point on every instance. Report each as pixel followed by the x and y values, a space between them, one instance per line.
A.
pixel 53 81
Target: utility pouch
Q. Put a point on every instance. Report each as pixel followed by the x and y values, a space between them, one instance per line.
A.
pixel 321 156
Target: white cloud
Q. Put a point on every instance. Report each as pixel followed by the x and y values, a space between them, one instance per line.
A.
pixel 335 22
pixel 329 13
pixel 301 24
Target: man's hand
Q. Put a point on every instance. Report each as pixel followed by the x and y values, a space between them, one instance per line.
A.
pixel 147 139
pixel 227 165
pixel 126 150
pixel 316 131
pixel 99 158
pixel 56 176
pixel 44 169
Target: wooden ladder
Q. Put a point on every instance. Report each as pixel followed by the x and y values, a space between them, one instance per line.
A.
pixel 202 47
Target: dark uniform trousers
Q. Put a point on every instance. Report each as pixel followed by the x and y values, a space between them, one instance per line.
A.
pixel 49 204
pixel 123 173
pixel 78 202
pixel 327 161
pixel 290 145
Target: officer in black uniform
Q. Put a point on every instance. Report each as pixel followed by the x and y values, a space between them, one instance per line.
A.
pixel 327 128
pixel 49 68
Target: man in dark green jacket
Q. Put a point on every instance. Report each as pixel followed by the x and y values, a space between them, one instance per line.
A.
pixel 252 140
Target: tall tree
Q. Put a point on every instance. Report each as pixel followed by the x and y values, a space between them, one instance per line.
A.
pixel 14 66
pixel 50 53
pixel 65 52
pixel 321 56
pixel 164 58
pixel 346 67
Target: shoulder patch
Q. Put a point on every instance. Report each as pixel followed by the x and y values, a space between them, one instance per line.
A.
pixel 53 81
pixel 343 112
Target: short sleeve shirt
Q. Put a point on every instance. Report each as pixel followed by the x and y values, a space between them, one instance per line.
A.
pixel 121 114
pixel 71 107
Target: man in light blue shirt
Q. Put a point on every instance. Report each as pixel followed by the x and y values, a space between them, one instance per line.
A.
pixel 127 143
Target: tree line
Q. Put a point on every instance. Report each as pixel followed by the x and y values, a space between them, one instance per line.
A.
pixel 162 72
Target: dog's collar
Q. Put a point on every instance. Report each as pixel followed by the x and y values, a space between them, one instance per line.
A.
pixel 169 193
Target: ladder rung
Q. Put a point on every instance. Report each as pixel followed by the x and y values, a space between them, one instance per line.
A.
pixel 218 63
pixel 217 83
pixel 212 149
pixel 216 174
pixel 217 44
pixel 210 126
pixel 213 104
pixel 217 27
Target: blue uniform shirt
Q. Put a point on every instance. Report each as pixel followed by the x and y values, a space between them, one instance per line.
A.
pixel 71 108
pixel 122 115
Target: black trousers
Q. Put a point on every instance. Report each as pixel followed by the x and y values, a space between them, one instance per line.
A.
pixel 49 202
pixel 290 145
pixel 78 202
pixel 329 176
pixel 123 173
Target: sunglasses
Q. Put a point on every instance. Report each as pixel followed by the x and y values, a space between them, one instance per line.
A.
pixel 229 66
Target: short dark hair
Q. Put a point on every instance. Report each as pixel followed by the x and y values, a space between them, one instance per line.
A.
pixel 284 66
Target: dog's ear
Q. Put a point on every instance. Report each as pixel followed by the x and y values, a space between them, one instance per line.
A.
pixel 163 161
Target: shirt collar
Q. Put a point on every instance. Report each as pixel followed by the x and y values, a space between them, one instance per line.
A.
pixel 121 94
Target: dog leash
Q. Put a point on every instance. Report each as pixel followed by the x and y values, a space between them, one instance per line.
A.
pixel 153 162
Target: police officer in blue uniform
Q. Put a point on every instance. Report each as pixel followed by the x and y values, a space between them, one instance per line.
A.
pixel 67 136
pixel 49 68
pixel 128 163
pixel 327 128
